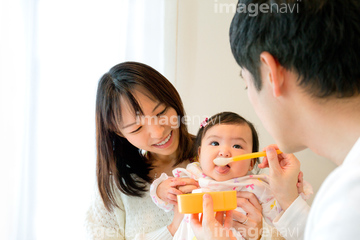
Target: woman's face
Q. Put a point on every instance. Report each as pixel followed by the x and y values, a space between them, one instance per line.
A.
pixel 226 140
pixel 157 131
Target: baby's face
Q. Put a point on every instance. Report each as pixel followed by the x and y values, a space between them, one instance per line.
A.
pixel 226 141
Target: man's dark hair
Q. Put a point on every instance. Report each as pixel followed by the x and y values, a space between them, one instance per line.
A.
pixel 319 40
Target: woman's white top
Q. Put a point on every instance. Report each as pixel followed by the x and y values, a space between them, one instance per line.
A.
pixel 137 218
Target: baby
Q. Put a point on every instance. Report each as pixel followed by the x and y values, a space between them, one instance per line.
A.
pixel 225 135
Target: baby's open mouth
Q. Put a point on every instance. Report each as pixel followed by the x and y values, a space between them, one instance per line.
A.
pixel 222 169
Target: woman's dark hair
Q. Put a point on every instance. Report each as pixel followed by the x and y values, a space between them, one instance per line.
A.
pixel 118 161
pixel 230 118
pixel 317 39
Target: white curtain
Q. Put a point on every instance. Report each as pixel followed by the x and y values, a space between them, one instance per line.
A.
pixel 52 55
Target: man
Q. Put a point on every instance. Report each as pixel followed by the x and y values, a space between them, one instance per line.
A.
pixel 302 70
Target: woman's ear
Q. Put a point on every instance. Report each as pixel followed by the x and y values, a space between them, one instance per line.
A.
pixel 199 150
pixel 272 72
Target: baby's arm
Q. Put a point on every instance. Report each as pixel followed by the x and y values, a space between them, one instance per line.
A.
pixel 272 209
pixel 300 183
pixel 163 191
pixel 168 189
pixel 305 190
pixel 154 196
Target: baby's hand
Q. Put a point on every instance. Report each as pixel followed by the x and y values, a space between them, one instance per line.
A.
pixel 189 187
pixel 300 183
pixel 169 188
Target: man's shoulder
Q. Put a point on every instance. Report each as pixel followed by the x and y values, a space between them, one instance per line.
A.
pixel 335 211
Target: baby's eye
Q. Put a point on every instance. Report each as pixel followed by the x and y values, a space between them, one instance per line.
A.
pixel 237 146
pixel 214 143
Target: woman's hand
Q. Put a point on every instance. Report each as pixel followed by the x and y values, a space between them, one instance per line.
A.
pixel 174 225
pixel 210 226
pixel 250 225
pixel 171 187
pixel 284 172
pixel 218 227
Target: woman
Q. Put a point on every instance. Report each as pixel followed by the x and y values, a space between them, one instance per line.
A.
pixel 139 135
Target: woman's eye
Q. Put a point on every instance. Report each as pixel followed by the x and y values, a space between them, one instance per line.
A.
pixel 214 143
pixel 137 130
pixel 237 146
pixel 162 112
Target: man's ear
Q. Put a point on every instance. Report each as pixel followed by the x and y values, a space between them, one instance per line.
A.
pixel 274 72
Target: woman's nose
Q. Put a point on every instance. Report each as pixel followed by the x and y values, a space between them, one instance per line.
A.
pixel 156 131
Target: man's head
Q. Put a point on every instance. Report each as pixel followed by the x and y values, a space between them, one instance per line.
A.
pixel 317 39
pixel 295 63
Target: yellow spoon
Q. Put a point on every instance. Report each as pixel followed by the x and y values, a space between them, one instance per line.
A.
pixel 224 161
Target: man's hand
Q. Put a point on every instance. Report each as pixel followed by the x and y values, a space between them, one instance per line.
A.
pixel 284 170
pixel 210 226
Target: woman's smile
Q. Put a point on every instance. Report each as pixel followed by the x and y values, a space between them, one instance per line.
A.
pixel 164 143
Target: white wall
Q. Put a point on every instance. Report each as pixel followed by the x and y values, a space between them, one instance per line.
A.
pixel 207 76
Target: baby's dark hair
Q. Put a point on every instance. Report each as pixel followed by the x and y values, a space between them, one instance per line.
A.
pixel 229 118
